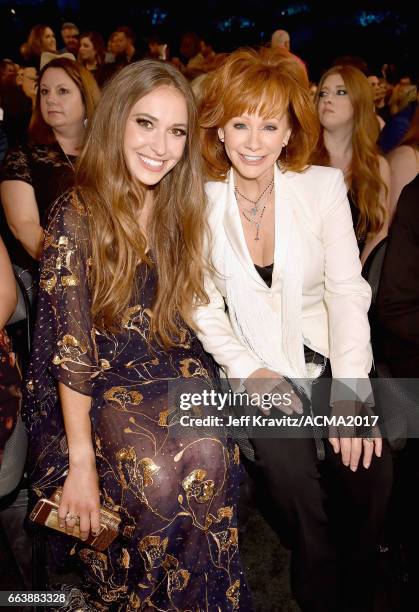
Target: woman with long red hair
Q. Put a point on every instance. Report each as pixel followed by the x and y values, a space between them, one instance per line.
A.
pixel 348 141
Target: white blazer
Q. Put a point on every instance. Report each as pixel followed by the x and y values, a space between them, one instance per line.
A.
pixel 316 265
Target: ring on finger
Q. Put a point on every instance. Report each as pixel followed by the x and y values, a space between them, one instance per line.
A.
pixel 369 440
pixel 72 517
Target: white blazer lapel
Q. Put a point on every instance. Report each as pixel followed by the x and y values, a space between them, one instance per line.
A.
pixel 284 219
pixel 234 232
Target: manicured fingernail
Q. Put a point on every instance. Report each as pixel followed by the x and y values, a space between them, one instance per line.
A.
pixel 367 465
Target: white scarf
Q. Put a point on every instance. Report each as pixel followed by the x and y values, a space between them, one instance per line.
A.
pixel 252 318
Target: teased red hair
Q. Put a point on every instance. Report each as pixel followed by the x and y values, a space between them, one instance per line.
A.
pixel 265 81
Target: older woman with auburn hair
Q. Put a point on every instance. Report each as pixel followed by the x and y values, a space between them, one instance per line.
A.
pixel 122 270
pixel 34 175
pixel 288 302
pixel 348 140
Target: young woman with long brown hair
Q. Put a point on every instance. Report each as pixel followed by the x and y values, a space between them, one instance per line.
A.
pixel 122 269
pixel 348 141
pixel 41 38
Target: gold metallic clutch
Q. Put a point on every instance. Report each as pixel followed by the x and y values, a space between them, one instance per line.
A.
pixel 46 513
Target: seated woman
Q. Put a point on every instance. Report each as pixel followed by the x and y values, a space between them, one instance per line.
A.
pixel 404 161
pixel 92 55
pixel 41 38
pixel 121 271
pixel 34 175
pixel 286 266
pixel 348 141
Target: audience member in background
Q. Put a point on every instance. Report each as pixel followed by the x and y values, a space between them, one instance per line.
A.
pixel 348 141
pixel 313 90
pixel 30 83
pixel 157 48
pixel 34 175
pixel 92 54
pixel 208 53
pixel 191 62
pixel 70 36
pixel 351 60
pixel 378 95
pixel 115 329
pixel 8 73
pixel 19 75
pixel 404 161
pixel 111 49
pixel 281 39
pixel 399 287
pixel 123 45
pixel 16 101
pixel 41 38
pixel 403 103
pixel 380 89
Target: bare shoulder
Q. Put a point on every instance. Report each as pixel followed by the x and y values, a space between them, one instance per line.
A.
pixel 404 158
pixel 384 169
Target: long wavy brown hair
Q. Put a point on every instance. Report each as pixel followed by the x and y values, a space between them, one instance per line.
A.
pixel 266 81
pixel 33 46
pixel 363 176
pixel 176 226
pixel 39 131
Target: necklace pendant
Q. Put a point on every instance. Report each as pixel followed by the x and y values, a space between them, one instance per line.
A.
pixel 253 211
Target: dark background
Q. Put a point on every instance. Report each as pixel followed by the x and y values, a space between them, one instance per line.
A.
pixel 379 31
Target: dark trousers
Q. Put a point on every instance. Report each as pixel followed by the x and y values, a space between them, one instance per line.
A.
pixel 329 517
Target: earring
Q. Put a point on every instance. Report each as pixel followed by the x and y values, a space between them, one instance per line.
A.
pixel 85 121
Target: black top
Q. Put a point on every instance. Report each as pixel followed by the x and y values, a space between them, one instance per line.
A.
pixel 47 169
pixel 398 294
pixel 265 272
pixel 355 217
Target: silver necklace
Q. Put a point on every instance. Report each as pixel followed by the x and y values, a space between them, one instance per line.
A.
pixel 254 210
pixel 253 219
pixel 69 160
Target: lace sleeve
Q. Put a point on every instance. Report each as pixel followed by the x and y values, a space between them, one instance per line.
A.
pixel 16 166
pixel 64 297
